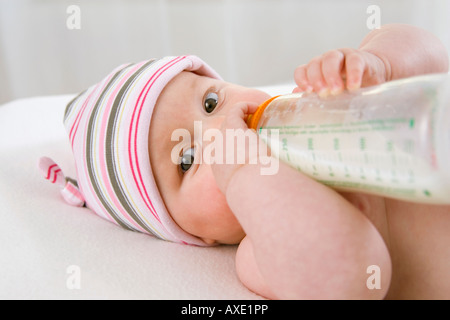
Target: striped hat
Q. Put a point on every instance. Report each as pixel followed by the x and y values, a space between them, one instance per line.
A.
pixel 108 127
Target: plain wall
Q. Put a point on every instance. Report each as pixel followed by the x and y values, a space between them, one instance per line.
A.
pixel 250 42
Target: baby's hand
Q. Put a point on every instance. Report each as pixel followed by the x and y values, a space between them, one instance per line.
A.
pixel 235 155
pixel 336 70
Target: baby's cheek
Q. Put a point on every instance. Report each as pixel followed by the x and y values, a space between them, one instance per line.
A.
pixel 213 204
pixel 214 198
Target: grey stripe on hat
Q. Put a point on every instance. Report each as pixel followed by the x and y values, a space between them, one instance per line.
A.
pixel 71 104
pixel 110 150
pixel 90 155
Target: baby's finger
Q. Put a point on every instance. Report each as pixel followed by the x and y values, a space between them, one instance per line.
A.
pixel 301 80
pixel 354 67
pixel 237 116
pixel 314 74
pixel 332 63
pixel 297 89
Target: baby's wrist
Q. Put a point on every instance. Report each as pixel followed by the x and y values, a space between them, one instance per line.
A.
pixel 384 65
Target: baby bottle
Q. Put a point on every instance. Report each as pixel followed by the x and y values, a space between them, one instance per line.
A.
pixel 391 139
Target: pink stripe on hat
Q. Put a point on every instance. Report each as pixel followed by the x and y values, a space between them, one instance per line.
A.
pixel 108 126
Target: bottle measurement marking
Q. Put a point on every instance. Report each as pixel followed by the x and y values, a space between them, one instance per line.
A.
pixel 368 159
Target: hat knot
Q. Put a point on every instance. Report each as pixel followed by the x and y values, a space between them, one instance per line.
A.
pixel 69 187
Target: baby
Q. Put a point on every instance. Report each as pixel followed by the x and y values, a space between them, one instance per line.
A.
pixel 298 239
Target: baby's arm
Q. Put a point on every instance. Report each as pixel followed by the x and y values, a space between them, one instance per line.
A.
pixel 303 240
pixel 306 241
pixel 392 52
pixel 406 50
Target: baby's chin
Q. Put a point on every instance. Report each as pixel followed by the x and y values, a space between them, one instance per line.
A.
pixel 231 238
pixel 234 240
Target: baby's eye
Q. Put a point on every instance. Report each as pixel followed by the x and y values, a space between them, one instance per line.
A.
pixel 187 159
pixel 211 100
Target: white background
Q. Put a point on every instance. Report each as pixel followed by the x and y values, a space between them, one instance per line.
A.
pixel 250 42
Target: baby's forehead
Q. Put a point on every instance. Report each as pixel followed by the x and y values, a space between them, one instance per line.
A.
pixel 182 86
pixel 172 110
pixel 186 85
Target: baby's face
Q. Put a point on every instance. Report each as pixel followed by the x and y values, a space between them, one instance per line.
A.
pixel 189 189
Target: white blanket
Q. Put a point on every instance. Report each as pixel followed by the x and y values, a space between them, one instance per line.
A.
pixel 50 250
